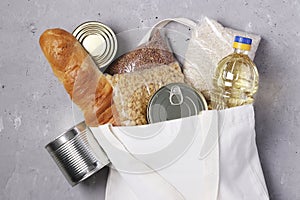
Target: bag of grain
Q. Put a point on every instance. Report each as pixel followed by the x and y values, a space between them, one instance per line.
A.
pixel 153 52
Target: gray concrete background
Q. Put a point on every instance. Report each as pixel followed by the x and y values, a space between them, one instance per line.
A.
pixel 34 107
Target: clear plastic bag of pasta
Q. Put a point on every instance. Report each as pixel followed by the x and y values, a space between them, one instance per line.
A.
pixel 132 91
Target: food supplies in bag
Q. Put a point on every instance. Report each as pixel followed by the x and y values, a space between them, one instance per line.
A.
pixel 150 54
pixel 132 91
pixel 210 42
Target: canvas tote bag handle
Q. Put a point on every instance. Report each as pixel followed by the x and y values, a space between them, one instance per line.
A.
pixel 163 23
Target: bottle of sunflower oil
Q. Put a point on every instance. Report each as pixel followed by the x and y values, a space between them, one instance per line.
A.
pixel 236 77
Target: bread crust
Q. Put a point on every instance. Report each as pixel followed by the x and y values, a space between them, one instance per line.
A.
pixel 75 69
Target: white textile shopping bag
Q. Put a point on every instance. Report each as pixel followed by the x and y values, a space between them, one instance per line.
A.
pixel 212 156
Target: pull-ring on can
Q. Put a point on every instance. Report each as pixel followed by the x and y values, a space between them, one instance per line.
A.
pixel 173 101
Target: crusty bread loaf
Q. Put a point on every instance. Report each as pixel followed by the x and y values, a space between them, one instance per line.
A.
pixel 85 84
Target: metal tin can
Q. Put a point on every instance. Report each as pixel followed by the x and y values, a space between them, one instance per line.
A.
pixel 98 40
pixel 173 101
pixel 77 153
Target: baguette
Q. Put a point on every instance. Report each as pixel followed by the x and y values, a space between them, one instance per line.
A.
pixel 86 85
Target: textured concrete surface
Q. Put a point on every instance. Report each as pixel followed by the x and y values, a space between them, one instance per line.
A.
pixel 34 107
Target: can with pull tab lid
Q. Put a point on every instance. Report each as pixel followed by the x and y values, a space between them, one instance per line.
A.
pixel 174 101
pixel 77 154
pixel 99 41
